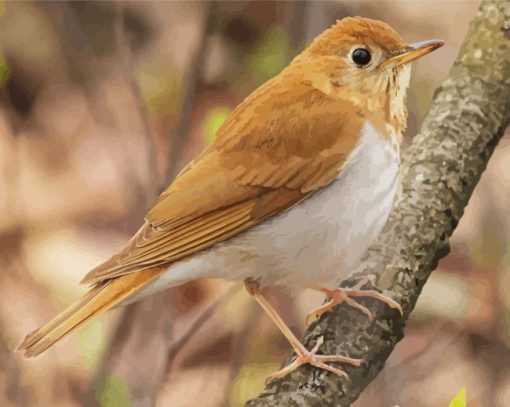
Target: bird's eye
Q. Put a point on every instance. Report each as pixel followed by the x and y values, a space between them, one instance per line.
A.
pixel 361 57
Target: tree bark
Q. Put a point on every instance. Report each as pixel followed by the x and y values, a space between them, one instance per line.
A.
pixel 467 118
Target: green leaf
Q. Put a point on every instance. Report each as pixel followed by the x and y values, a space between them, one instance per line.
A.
pixel 159 92
pixel 91 343
pixel 459 400
pixel 113 393
pixel 249 382
pixel 4 71
pixel 271 56
pixel 213 121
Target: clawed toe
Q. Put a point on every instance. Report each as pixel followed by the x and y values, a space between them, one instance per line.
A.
pixel 378 296
pixel 317 312
pixel 340 295
pixel 303 355
pixel 319 361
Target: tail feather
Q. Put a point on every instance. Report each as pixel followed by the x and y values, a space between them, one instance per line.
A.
pixel 98 300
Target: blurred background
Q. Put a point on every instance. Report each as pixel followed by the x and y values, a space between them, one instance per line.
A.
pixel 101 103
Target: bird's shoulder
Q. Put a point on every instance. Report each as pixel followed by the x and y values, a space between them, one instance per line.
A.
pixel 288 133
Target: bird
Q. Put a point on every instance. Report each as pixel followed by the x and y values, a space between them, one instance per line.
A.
pixel 298 183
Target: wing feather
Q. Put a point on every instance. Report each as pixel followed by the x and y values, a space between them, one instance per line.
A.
pixel 266 159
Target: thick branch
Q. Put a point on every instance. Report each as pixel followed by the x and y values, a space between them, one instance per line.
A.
pixel 468 116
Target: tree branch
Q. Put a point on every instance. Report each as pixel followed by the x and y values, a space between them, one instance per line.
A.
pixel 194 327
pixel 468 116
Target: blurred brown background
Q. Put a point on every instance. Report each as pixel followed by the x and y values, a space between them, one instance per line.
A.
pixel 100 102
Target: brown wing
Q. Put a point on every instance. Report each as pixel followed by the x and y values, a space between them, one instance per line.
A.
pixel 267 158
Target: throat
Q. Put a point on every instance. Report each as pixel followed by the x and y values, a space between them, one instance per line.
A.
pixel 389 131
pixel 395 106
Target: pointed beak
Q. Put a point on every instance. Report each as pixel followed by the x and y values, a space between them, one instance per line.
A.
pixel 416 50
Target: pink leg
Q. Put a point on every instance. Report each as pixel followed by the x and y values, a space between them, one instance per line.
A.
pixel 303 355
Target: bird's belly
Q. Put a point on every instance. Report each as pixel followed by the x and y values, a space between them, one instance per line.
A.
pixel 321 240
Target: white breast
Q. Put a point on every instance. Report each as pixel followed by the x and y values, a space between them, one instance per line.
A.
pixel 320 240
pixel 323 239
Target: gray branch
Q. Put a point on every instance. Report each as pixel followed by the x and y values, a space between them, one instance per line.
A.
pixel 468 116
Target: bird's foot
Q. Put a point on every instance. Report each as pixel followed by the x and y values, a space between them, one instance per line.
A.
pixel 340 295
pixel 310 356
pixel 303 355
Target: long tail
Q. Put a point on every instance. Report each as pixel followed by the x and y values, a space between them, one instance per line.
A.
pixel 98 300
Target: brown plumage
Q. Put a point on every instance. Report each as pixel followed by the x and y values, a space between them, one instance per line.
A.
pixel 97 301
pixel 243 180
pixel 286 140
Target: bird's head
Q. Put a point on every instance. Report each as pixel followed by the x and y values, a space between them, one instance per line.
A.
pixel 365 62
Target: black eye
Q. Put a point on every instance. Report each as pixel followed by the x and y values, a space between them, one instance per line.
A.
pixel 361 57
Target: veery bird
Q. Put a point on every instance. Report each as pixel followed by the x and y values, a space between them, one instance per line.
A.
pixel 297 185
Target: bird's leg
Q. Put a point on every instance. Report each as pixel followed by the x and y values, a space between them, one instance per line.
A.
pixel 340 295
pixel 303 355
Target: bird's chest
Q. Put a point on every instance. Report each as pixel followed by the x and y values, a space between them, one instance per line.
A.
pixel 324 237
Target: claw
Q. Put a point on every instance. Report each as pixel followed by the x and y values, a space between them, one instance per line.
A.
pixel 340 295
pixel 303 355
pixel 319 361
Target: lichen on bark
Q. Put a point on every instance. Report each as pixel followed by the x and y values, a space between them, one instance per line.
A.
pixel 467 118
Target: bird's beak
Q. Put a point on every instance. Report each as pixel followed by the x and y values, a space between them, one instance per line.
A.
pixel 415 51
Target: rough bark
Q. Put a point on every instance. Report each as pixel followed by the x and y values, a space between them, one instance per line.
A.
pixel 468 116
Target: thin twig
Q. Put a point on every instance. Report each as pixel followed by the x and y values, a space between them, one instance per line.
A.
pixel 297 24
pixel 241 338
pixel 15 390
pixel 180 134
pixel 195 326
pixel 126 58
pixel 156 331
pixel 80 55
pixel 152 343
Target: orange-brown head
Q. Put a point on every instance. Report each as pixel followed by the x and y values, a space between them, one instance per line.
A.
pixel 365 62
